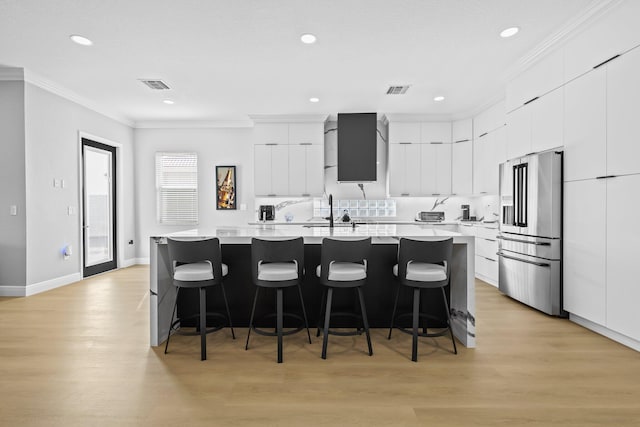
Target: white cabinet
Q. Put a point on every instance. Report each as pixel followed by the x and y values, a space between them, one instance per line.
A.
pixel 438 132
pixel 584 249
pixel 404 133
pixel 404 169
pixel 623 105
pixel 271 170
pixel 490 119
pixel 537 126
pixel 585 126
pixel 435 169
pixel 306 170
pixel 488 152
pixel 622 255
pixel 544 76
pixel 611 35
pixel 288 159
pixel 486 246
pixel 462 130
pixel 462 167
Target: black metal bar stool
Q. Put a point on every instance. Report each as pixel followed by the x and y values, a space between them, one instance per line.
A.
pixel 423 265
pixel 343 264
pixel 197 264
pixel 278 264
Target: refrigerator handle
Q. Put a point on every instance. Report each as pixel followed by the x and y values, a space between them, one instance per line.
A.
pixel 539 264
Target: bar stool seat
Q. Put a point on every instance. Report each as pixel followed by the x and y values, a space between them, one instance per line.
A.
pixel 196 264
pixel 423 264
pixel 278 264
pixel 343 265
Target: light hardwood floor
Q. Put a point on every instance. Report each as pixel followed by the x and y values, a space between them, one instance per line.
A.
pixel 80 356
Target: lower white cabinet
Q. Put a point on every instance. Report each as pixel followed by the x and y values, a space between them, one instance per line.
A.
pixel 601 253
pixel 486 244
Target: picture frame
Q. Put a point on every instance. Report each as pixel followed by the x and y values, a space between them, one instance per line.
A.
pixel 226 196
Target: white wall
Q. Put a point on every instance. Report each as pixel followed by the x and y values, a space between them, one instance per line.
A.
pixel 218 146
pixel 12 186
pixel 52 126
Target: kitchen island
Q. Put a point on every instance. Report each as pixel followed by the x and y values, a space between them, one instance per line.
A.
pixel 379 291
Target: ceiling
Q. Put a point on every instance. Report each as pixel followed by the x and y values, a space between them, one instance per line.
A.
pixel 225 60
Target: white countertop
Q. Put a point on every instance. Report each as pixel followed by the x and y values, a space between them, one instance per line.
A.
pixel 381 233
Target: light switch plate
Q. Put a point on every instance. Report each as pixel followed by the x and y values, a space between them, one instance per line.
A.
pixel 13 210
pixel 69 210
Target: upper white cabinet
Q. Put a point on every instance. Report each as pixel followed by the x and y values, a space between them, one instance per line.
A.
pixel 436 169
pixel 271 170
pixel 537 126
pixel 613 34
pixel 488 152
pixel 623 107
pixel 404 169
pixel 288 159
pixel 490 119
pixel 462 167
pixel 402 132
pixel 431 132
pixel 462 130
pixel 585 126
pixel 542 77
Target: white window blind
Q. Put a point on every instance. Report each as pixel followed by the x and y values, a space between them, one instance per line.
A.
pixel 177 188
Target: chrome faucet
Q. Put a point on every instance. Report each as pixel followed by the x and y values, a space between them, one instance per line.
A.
pixel 330 210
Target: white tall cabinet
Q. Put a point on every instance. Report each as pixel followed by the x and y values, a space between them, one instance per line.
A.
pixel 288 159
pixel 462 157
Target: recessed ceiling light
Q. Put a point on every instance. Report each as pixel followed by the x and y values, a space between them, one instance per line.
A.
pixel 81 40
pixel 308 38
pixel 168 102
pixel 439 98
pixel 511 31
pixel 314 99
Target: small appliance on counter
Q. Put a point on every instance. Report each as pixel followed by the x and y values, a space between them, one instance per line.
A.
pixel 266 213
pixel 465 212
pixel 424 216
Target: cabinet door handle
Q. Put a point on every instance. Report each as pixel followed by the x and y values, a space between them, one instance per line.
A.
pixel 405 143
pixel 404 194
pixel 531 100
pixel 480 136
pixel 461 140
pixel 271 195
pixel 487 258
pixel 305 143
pixel 305 194
pixel 436 142
pixel 604 62
pixel 606 176
pixel 271 143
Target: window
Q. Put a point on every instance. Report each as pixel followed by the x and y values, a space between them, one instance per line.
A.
pixel 177 188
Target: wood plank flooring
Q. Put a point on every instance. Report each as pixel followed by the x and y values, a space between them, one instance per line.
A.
pixel 80 356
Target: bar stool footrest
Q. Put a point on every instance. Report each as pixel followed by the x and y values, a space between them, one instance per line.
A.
pixel 284 333
pixel 409 330
pixel 179 331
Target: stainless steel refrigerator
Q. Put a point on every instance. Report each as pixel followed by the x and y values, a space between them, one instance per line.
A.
pixel 530 238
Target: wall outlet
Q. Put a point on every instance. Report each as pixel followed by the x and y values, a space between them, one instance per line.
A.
pixel 69 210
pixel 13 210
pixel 67 251
pixel 131 242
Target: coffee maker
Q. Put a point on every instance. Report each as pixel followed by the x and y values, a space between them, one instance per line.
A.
pixel 465 212
pixel 266 213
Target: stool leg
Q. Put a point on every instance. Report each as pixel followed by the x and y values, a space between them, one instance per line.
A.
pixel 253 310
pixel 327 317
pixel 203 324
pixel 173 313
pixel 444 295
pixel 304 312
pixel 363 310
pixel 323 301
pixel 279 322
pixel 393 314
pixel 226 304
pixel 416 321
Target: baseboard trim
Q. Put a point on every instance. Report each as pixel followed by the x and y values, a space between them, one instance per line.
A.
pixel 486 279
pixel 613 335
pixel 47 285
pixel 12 291
pixel 143 261
pixel 129 262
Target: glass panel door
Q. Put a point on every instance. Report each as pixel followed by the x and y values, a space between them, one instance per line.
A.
pixel 99 207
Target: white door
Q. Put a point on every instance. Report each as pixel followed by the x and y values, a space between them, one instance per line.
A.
pixel 99 207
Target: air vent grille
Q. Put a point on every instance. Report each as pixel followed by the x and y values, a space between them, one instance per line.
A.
pixel 397 90
pixel 155 84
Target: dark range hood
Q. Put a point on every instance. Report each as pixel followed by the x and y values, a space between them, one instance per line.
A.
pixel 357 135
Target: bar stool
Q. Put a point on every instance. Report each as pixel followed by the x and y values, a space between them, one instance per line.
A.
pixel 343 265
pixel 197 264
pixel 423 265
pixel 277 264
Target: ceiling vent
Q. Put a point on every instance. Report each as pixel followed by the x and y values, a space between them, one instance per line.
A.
pixel 397 90
pixel 155 84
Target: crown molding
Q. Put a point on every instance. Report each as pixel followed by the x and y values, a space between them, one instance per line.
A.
pixel 289 118
pixel 595 10
pixel 400 117
pixel 49 86
pixel 11 74
pixel 193 124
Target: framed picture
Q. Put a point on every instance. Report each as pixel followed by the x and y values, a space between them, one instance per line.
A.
pixel 226 187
